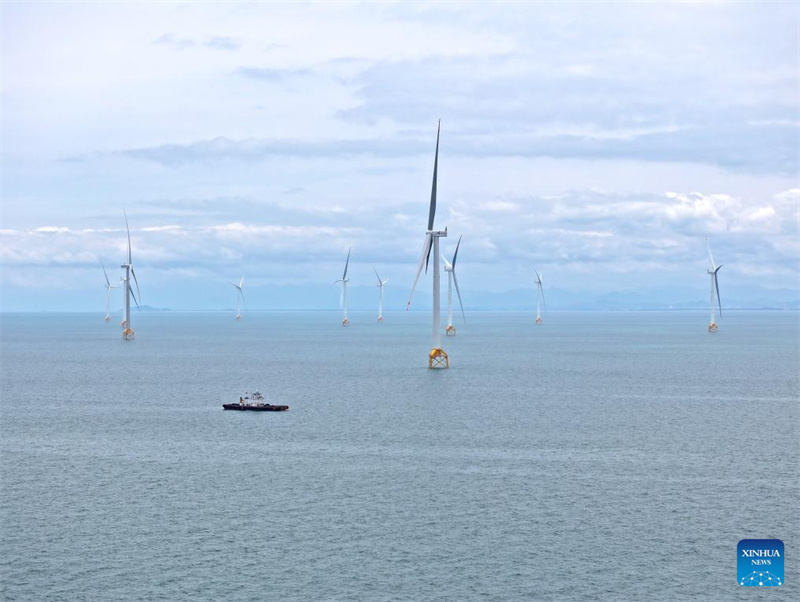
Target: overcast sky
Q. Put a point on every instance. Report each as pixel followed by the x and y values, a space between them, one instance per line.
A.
pixel 597 141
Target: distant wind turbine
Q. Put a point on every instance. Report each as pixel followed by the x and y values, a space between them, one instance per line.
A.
pixel 109 286
pixel 539 298
pixel 437 358
pixel 712 325
pixel 450 268
pixel 381 284
pixel 344 280
pixel 239 297
pixel 127 331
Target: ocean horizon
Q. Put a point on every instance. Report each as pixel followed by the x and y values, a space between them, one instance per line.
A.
pixel 386 312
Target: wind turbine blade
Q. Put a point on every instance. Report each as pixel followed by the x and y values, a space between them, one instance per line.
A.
pixel 432 210
pixel 129 236
pixel 376 274
pixel 428 257
pixel 710 256
pixel 538 278
pixel 384 282
pixel 108 282
pixel 136 282
pixel 716 284
pixel 241 282
pixel 346 263
pixel 426 249
pixel 455 255
pixel 135 300
pixel 447 264
pixel 458 292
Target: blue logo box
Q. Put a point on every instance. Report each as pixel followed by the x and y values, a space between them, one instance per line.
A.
pixel 759 562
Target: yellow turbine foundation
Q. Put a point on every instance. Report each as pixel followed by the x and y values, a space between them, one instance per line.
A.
pixel 380 319
pixel 128 334
pixel 450 331
pixel 438 359
pixel 345 322
pixel 538 321
pixel 712 327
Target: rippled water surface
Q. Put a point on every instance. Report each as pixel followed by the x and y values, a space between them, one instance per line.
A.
pixel 598 456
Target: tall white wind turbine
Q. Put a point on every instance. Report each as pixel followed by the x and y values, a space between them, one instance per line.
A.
pixel 109 286
pixel 381 284
pixel 127 331
pixel 539 298
pixel 239 297
pixel 712 325
pixel 343 300
pixel 437 358
pixel 450 269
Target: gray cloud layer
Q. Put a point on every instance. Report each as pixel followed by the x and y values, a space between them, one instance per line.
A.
pixel 769 148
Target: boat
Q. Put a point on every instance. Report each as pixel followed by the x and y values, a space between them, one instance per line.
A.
pixel 253 402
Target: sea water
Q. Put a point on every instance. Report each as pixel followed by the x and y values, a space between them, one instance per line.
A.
pixel 614 456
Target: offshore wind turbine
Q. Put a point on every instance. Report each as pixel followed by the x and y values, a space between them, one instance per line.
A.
pixel 437 358
pixel 539 298
pixel 343 300
pixel 239 297
pixel 127 331
pixel 712 324
pixel 450 269
pixel 381 284
pixel 109 286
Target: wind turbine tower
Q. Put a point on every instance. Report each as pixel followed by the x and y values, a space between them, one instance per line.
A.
pixel 127 331
pixel 381 284
pixel 344 281
pixel 437 358
pixel 109 286
pixel 239 297
pixel 539 298
pixel 450 269
pixel 712 324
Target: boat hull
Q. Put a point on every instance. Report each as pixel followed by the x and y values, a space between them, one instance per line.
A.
pixel 243 407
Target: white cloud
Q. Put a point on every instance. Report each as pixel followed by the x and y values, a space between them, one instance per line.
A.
pixel 500 206
pixel 52 229
pixel 173 229
pixel 761 214
pixel 788 195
